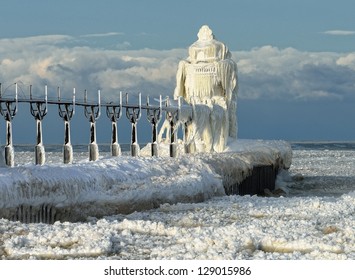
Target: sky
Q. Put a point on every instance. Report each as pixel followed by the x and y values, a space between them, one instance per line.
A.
pixel 296 60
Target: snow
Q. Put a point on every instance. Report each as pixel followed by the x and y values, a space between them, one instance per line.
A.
pixel 231 227
pixel 126 184
pixel 218 227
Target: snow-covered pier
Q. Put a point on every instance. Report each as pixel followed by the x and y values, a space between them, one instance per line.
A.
pixel 126 184
pixel 164 172
pixel 208 161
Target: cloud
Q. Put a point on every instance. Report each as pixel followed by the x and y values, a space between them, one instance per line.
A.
pixel 339 32
pixel 264 73
pixel 36 40
pixel 108 34
pixel 123 46
pixel 42 61
pixel 347 61
pixel 289 74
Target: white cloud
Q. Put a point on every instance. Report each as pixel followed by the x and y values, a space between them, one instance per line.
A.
pixel 264 73
pixel 347 60
pixel 6 44
pixel 123 46
pixel 108 34
pixel 339 32
pixel 269 72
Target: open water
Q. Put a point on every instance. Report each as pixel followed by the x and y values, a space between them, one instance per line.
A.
pixel 322 168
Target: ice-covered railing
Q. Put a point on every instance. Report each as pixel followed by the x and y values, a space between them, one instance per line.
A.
pixel 92 111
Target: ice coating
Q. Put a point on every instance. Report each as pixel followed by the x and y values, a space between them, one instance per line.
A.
pixel 231 227
pixel 110 185
pixel 208 80
pixel 125 184
pixel 308 224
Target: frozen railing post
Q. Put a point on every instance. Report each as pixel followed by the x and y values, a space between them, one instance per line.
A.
pixel 153 116
pixel 38 111
pixel 9 112
pixel 188 122
pixel 114 112
pixel 133 113
pixel 172 115
pixel 92 113
pixel 66 112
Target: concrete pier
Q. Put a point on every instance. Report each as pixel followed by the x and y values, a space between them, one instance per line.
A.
pixel 34 214
pixel 260 179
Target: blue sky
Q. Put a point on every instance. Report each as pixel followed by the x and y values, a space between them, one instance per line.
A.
pixel 296 59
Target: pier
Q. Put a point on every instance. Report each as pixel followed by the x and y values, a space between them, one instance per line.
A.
pixel 249 169
pixel 39 108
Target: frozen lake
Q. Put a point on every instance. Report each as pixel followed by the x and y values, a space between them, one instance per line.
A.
pixel 314 221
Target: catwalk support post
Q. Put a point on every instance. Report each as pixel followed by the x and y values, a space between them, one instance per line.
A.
pixel 172 115
pixel 153 116
pixel 66 111
pixel 39 111
pixel 8 112
pixel 133 113
pixel 114 112
pixel 92 113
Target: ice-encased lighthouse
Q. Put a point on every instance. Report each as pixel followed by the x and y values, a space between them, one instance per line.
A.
pixel 208 81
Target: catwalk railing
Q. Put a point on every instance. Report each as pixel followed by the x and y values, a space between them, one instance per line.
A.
pixel 92 111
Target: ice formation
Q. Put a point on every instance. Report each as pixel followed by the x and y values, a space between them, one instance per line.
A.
pixel 312 225
pixel 207 79
pixel 126 184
